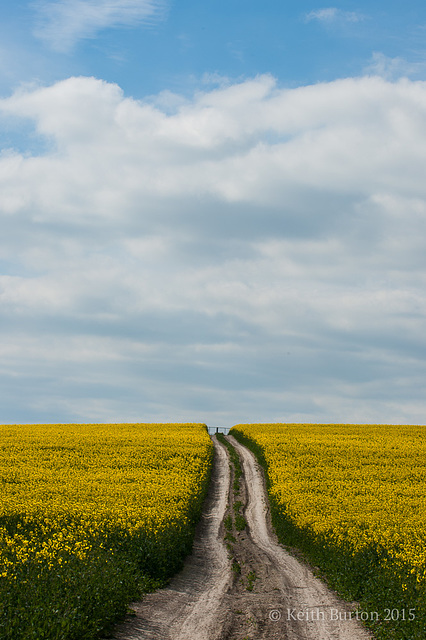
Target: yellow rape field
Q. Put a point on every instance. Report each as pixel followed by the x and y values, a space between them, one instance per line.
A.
pixel 90 516
pixel 353 498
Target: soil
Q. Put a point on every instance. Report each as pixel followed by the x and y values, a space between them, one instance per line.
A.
pixel 241 585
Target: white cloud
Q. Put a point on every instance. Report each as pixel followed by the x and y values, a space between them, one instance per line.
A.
pixel 255 249
pixel 394 68
pixel 331 15
pixel 62 23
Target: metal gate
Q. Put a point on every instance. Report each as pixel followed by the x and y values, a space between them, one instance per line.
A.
pixel 213 430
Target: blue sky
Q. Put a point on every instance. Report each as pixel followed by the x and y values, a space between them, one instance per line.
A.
pixel 147 47
pixel 212 211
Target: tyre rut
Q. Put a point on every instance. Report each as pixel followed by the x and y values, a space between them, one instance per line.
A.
pixel 240 584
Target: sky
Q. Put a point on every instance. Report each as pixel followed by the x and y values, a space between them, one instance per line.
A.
pixel 212 211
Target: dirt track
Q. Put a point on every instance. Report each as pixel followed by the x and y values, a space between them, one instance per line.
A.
pixel 210 601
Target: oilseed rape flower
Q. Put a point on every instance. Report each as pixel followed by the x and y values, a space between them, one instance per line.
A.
pixel 353 498
pixel 90 515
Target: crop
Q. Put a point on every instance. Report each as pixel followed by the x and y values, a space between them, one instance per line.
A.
pixel 353 499
pixel 91 516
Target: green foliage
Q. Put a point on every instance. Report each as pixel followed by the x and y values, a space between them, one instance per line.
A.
pixel 240 522
pixel 70 597
pixel 367 576
pixel 235 460
pixel 251 578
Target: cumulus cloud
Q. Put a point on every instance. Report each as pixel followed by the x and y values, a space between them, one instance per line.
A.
pixel 252 253
pixel 62 23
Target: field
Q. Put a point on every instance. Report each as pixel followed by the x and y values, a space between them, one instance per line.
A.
pixel 353 499
pixel 91 516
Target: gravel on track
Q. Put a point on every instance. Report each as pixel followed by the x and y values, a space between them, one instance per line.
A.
pixel 252 590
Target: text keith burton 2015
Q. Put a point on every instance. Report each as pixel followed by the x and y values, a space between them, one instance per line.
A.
pixel 335 614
